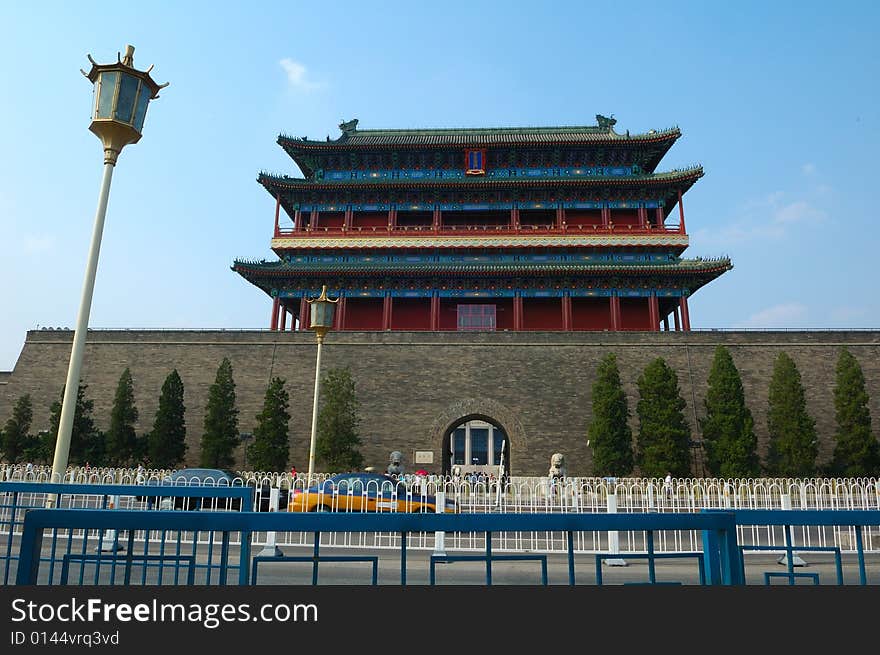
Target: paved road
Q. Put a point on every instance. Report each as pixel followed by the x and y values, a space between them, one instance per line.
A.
pixel 683 571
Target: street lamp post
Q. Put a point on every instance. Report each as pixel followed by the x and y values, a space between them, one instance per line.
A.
pixel 321 313
pixel 122 94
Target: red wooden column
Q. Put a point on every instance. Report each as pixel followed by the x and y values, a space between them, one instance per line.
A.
pixel 517 312
pixel 313 219
pixel 392 218
pixel 606 217
pixel 282 323
pixel 273 323
pixel 654 311
pixel 566 313
pixel 514 218
pixel 339 319
pixel 346 222
pixel 386 312
pixel 675 318
pixel 685 315
pixel 614 301
pixel 297 220
pixel 277 212
pixel 435 311
pixel 437 218
pixel 681 212
pixel 560 218
pixel 643 217
pixel 659 217
pixel 304 314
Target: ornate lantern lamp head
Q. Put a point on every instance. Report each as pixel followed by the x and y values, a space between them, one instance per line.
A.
pixel 322 310
pixel 122 94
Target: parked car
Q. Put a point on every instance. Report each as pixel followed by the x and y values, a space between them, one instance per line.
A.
pixel 194 477
pixel 362 492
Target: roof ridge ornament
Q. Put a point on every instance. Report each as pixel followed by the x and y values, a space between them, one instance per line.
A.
pixel 606 122
pixel 349 128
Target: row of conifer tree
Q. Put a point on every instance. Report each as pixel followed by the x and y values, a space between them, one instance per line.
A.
pixel 164 446
pixel 662 444
pixel 663 440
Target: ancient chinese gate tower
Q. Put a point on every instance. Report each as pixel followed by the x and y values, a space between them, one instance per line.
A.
pixel 553 228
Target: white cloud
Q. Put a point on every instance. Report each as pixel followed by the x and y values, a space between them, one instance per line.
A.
pixel 768 217
pixel 808 169
pixel 799 211
pixel 298 76
pixel 778 316
pixel 734 234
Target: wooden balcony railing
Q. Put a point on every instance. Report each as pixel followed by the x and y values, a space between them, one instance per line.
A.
pixel 469 230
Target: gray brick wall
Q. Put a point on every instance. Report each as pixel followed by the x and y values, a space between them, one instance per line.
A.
pixel 414 385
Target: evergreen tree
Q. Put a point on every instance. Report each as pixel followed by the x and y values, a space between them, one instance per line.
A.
pixel 664 434
pixel 220 438
pixel 86 441
pixel 728 428
pixel 15 438
pixel 41 449
pixel 337 432
pixel 856 451
pixel 121 439
pixel 270 450
pixel 608 432
pixel 793 446
pixel 166 442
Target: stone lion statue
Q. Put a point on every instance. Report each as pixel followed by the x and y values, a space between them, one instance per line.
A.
pixel 557 465
pixel 395 465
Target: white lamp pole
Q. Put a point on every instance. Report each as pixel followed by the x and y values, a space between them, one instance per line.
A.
pixel 122 94
pixel 321 315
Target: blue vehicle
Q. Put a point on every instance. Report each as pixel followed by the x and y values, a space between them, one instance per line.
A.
pixel 203 477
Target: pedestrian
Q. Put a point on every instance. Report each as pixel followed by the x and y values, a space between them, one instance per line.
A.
pixel 667 485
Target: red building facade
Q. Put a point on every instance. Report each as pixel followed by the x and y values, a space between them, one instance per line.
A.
pixel 557 228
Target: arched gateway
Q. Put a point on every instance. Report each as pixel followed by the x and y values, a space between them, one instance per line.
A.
pixel 478 435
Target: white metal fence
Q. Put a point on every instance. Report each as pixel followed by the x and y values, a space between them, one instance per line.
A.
pixel 540 495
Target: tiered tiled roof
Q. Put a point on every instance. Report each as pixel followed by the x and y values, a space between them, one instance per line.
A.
pixel 496 136
pixel 600 135
pixel 274 183
pixel 280 268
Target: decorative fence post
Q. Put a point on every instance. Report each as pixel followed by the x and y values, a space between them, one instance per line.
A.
pixel 439 537
pixel 270 549
pixel 795 558
pixel 613 535
pixel 110 542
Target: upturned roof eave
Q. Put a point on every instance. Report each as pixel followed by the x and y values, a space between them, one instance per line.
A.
pixel 373 139
pixel 291 183
pixel 281 269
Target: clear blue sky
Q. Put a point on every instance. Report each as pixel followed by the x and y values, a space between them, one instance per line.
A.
pixel 777 100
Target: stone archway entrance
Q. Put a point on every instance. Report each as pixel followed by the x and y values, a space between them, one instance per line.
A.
pixel 481 428
pixel 476 444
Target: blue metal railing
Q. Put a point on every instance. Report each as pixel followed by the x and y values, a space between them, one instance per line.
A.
pixel 856 519
pixel 18 499
pixel 59 545
pixel 720 553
